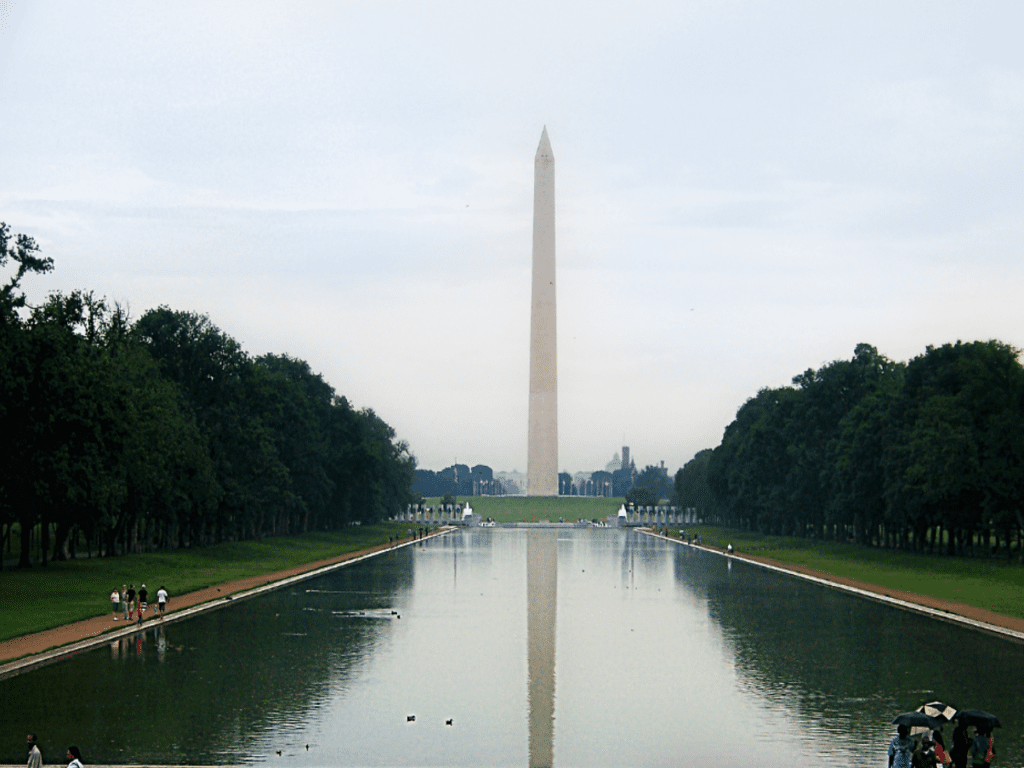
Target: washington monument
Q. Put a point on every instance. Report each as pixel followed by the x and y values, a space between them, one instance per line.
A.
pixel 542 447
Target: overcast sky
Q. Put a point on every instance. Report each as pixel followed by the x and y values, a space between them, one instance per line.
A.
pixel 744 191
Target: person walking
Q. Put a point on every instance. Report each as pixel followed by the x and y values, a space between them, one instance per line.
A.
pixel 143 595
pixel 75 756
pixel 115 602
pixel 124 600
pixel 161 600
pixel 961 745
pixel 131 602
pixel 901 748
pixel 983 749
pixel 941 755
pixel 924 754
pixel 35 757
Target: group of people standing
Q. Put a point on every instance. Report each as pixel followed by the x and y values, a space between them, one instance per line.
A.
pixel 931 752
pixel 128 601
pixel 35 757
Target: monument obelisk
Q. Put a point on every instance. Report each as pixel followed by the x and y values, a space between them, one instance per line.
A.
pixel 542 446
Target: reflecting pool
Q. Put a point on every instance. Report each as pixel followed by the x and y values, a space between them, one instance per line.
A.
pixel 513 647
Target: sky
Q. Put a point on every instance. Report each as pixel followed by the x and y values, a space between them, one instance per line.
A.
pixel 745 190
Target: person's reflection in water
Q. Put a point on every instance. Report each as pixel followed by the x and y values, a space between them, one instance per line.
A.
pixel 161 643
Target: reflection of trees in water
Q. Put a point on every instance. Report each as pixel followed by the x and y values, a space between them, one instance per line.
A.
pixel 215 684
pixel 641 554
pixel 839 662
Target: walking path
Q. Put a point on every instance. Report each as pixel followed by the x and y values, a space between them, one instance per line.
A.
pixel 22 653
pixel 946 610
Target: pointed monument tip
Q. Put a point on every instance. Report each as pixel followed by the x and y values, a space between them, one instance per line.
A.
pixel 544 147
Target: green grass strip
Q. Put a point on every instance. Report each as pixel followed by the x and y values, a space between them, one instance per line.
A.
pixel 39 598
pixel 533 509
pixel 995 585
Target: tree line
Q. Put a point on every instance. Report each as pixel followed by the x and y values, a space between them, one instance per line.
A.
pixel 926 455
pixel 163 432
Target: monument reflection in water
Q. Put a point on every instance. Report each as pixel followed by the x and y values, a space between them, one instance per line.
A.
pixel 660 655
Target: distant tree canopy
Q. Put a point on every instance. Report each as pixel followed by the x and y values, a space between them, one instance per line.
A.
pixel 164 432
pixel 925 454
pixel 655 481
pixel 458 480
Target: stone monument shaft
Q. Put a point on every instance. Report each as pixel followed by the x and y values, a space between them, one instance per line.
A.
pixel 542 447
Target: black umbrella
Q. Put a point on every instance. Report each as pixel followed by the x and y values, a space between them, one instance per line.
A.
pixel 917 719
pixel 977 717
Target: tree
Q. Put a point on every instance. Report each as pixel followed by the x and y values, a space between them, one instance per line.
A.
pixel 14 375
pixel 640 496
pixel 656 481
pixel 690 489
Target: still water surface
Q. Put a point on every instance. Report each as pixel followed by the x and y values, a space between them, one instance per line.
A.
pixel 543 647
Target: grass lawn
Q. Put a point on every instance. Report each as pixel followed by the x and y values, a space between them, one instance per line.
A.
pixel 992 584
pixel 533 509
pixel 42 598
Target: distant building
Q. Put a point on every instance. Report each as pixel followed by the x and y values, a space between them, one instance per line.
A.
pixel 513 482
pixel 625 458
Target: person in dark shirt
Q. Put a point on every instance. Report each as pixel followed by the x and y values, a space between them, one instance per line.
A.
pixel 131 602
pixel 982 749
pixel 143 594
pixel 961 743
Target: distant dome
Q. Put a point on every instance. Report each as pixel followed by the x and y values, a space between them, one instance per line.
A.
pixel 614 464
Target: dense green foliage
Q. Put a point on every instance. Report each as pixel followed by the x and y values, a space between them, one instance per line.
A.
pixel 650 487
pixel 923 455
pixel 126 437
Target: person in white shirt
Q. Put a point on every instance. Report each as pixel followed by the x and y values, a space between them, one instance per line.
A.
pixel 161 600
pixel 75 756
pixel 115 602
pixel 35 757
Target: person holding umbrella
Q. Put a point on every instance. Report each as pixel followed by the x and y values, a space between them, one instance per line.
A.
pixel 961 745
pixel 901 748
pixel 943 713
pixel 940 747
pixel 983 750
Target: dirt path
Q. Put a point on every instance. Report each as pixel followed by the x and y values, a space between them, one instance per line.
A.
pixel 29 645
